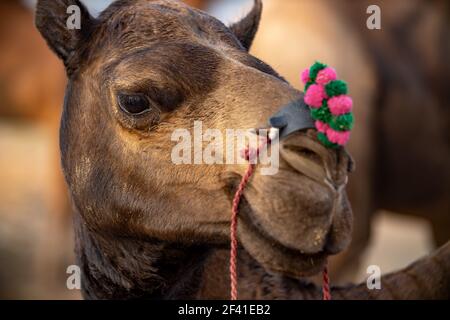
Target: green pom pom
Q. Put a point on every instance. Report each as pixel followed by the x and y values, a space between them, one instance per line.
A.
pixel 324 140
pixel 336 88
pixel 314 70
pixel 323 113
pixel 344 122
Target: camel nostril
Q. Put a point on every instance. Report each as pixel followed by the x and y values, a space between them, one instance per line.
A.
pixel 305 156
pixel 306 153
pixel 308 157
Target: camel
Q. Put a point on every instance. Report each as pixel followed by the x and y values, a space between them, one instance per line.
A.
pixel 146 228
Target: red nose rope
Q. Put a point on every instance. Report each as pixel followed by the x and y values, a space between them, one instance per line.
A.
pixel 249 155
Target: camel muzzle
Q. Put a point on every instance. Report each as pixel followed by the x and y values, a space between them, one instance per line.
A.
pixel 291 118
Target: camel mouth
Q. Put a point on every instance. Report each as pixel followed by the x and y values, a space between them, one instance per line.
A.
pixel 290 231
pixel 272 254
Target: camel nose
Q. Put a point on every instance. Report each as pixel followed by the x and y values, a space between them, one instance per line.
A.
pixel 308 156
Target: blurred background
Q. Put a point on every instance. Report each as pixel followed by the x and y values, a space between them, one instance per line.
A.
pixel 403 66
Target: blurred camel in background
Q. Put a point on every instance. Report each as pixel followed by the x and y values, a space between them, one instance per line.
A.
pixel 32 83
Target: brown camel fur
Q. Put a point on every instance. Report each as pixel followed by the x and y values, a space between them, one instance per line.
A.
pixel 146 228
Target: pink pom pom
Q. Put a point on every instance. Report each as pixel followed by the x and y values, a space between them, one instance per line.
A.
pixel 305 76
pixel 314 96
pixel 322 126
pixel 340 105
pixel 338 137
pixel 326 75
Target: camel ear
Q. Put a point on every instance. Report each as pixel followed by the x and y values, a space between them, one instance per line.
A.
pixel 245 30
pixel 64 24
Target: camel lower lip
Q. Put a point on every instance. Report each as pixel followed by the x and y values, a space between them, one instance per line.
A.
pixel 275 256
pixel 248 216
pixel 247 220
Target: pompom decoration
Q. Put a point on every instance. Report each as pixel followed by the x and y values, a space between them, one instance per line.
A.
pixel 315 95
pixel 326 75
pixel 342 123
pixel 305 76
pixel 323 113
pixel 321 126
pixel 340 105
pixel 314 70
pixel 335 88
pixel 329 103
pixel 338 137
pixel 323 138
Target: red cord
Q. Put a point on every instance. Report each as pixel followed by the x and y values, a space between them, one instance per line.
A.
pixel 233 230
pixel 248 155
pixel 326 293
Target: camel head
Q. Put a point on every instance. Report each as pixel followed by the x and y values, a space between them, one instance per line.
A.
pixel 145 68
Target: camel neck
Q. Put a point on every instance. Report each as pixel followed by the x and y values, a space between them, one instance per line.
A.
pixel 116 267
pixel 122 268
pixel 255 283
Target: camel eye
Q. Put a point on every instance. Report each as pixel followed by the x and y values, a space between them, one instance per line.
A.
pixel 134 104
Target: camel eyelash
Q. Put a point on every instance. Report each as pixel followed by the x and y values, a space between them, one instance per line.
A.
pixel 134 104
